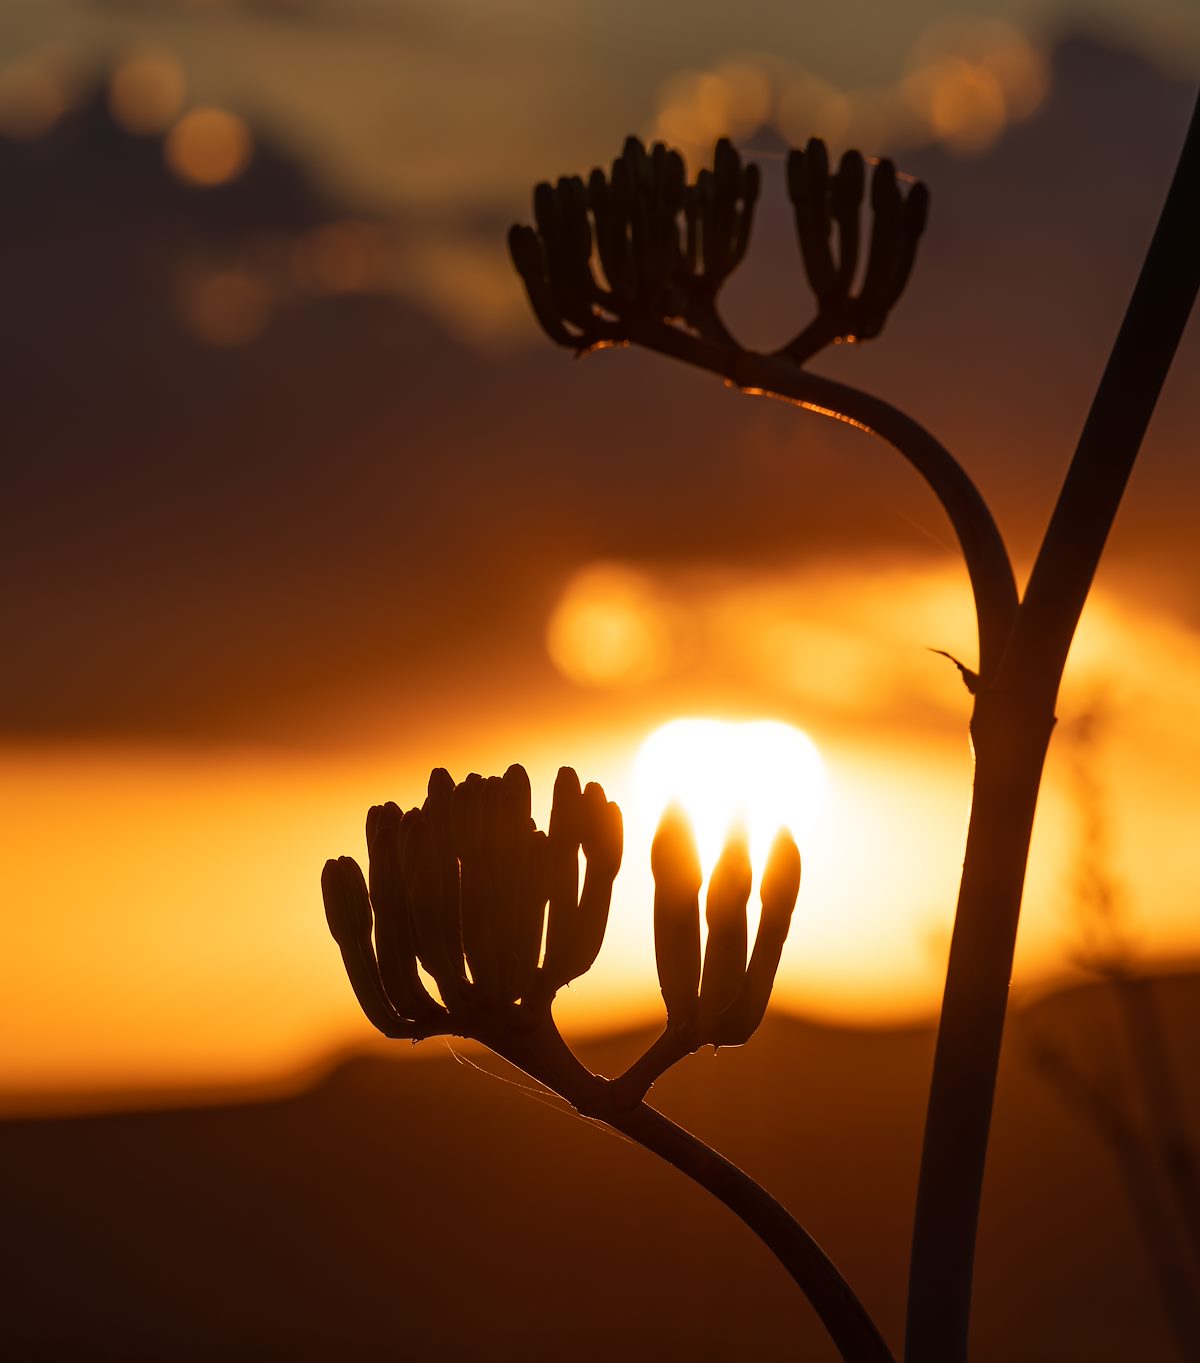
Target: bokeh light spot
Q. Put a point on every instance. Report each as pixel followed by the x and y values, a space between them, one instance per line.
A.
pixel 208 147
pixel 969 78
pixel 962 102
pixel 31 101
pixel 343 257
pixel 146 92
pixel 226 307
pixel 610 628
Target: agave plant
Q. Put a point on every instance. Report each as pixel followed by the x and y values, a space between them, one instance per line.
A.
pixel 468 889
pixel 665 245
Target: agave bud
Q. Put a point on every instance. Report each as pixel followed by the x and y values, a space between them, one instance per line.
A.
pixel 432 886
pixel 633 153
pixel 562 856
pixel 438 818
pixel 725 950
pixel 641 225
pixel 602 836
pixel 522 889
pixel 885 242
pixel 394 944
pixel 611 245
pixel 569 251
pixel 674 179
pixel 472 842
pixel 808 188
pixel 348 911
pixel 780 885
pixel 913 216
pixel 529 258
pixel 347 908
pixel 676 867
pixel 848 186
pixel 718 250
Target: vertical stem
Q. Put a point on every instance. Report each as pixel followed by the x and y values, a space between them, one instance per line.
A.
pixel 1112 435
pixel 1010 739
pixel 1011 730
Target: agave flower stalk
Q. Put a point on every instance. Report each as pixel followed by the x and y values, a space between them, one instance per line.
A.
pixel 464 888
pixel 648 228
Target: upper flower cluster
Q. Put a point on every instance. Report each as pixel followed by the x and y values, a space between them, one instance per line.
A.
pixel 666 245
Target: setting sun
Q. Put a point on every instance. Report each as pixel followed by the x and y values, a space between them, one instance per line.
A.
pixel 763 775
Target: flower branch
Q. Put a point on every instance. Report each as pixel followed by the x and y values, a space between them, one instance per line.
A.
pixel 666 248
pixel 464 888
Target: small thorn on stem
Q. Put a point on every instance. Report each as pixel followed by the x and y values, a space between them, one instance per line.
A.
pixel 970 679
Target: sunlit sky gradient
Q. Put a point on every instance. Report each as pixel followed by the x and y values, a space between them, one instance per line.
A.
pixel 304 506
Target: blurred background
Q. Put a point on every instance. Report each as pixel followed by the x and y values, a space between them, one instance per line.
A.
pixel 298 504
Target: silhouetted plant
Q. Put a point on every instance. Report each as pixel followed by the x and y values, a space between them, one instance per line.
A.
pixel 467 887
pixel 665 247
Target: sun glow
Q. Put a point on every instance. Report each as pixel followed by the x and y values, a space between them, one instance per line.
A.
pixel 763 775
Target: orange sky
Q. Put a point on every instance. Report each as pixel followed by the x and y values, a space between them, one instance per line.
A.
pixel 303 506
pixel 190 943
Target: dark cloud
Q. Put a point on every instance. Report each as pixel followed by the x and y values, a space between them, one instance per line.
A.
pixel 249 541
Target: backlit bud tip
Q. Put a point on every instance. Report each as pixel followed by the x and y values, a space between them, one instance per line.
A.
pixel 603 830
pixel 373 823
pixel 517 795
pixel 781 879
pixel 441 784
pixel 732 874
pixel 382 822
pixel 565 807
pixel 674 860
pixel 347 907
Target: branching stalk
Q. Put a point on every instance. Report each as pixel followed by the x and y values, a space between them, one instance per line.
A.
pixel 461 886
pixel 546 1058
pixel 988 565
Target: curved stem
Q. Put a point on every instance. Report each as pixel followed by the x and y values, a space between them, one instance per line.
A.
pixel 544 1056
pixel 632 1086
pixel 987 560
pixel 815 337
pixel 842 1314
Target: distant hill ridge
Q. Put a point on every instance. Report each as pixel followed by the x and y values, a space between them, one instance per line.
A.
pixel 430 1211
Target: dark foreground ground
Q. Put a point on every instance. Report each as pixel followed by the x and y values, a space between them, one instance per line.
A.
pixel 422 1210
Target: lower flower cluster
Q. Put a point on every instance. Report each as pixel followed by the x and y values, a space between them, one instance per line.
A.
pixel 468 887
